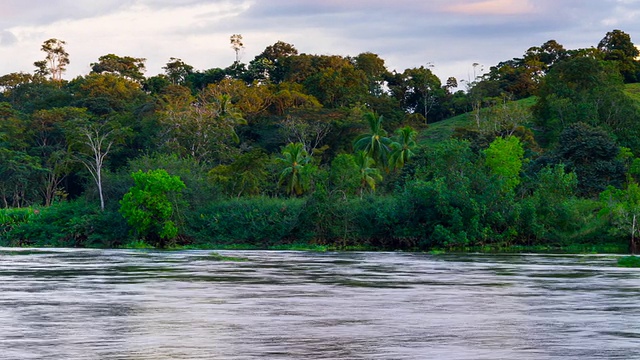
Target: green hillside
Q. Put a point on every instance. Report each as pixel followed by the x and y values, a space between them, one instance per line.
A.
pixel 633 90
pixel 442 130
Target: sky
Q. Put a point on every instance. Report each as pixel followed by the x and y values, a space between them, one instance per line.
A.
pixel 446 35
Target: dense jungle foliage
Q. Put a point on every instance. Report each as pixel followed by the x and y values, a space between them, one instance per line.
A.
pixel 324 150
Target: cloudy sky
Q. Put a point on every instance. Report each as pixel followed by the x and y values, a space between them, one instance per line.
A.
pixel 451 35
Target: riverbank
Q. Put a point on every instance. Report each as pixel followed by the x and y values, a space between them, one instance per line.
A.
pixel 489 249
pixel 279 224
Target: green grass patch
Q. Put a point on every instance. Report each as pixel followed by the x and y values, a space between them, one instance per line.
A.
pixel 442 130
pixel 633 91
pixel 629 261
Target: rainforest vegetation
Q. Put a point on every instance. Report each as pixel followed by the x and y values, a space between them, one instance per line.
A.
pixel 310 150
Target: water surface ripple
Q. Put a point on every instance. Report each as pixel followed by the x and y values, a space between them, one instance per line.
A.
pixel 138 305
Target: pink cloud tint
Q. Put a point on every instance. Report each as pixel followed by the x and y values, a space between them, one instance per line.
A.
pixel 492 7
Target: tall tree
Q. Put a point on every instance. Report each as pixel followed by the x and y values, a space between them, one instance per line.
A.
pixel 269 65
pixel 278 51
pixel 19 173
pixel 617 46
pixel 519 77
pixel 549 53
pixel 202 130
pixel 295 159
pixel 420 91
pixel 311 133
pixel 585 89
pixel 375 143
pixel 402 146
pixel 367 172
pixel 94 141
pixel 236 45
pixel 48 131
pixel 56 61
pixel 10 81
pixel 107 93
pixel 251 100
pixel 336 82
pixel 178 71
pixel 373 66
pixel 128 67
pixel 13 129
pixel 592 154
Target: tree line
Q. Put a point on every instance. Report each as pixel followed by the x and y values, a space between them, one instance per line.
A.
pixel 322 149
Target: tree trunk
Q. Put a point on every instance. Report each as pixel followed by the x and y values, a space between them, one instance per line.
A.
pixel 633 246
pixel 100 190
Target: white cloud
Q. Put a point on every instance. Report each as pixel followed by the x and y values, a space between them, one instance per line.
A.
pixel 7 38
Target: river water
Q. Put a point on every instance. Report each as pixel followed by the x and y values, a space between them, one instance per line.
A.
pixel 123 304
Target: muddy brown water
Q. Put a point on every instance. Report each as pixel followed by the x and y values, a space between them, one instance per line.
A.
pixel 124 304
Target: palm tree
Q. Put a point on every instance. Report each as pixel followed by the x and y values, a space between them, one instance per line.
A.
pixel 367 173
pixel 375 143
pixel 402 147
pixel 295 157
pixel 228 115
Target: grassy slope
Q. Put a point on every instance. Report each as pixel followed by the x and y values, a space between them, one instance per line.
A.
pixel 633 90
pixel 442 130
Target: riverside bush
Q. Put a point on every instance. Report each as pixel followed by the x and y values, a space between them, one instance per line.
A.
pixel 629 261
pixel 13 217
pixel 69 224
pixel 259 221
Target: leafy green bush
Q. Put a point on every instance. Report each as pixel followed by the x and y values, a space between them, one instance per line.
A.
pixel 629 261
pixel 13 217
pixel 148 206
pixel 198 189
pixel 384 222
pixel 69 224
pixel 260 221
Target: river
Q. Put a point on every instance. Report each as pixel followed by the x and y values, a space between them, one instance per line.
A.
pixel 138 305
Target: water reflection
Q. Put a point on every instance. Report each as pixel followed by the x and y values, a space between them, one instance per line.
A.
pixel 96 304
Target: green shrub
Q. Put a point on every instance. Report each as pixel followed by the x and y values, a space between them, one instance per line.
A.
pixel 13 217
pixel 69 224
pixel 149 209
pixel 629 261
pixel 257 221
pixel 198 189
